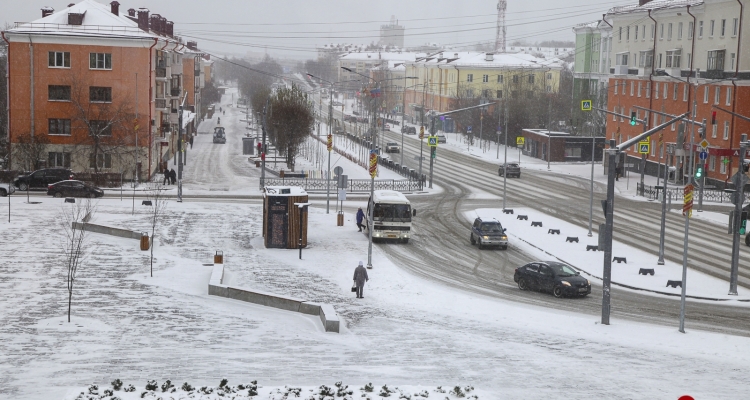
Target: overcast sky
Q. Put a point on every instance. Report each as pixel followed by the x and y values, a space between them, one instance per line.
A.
pixel 292 28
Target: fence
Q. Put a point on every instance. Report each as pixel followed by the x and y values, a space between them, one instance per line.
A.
pixel 713 195
pixel 355 185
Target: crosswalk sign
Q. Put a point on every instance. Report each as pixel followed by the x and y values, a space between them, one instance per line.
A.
pixel 519 141
pixel 585 105
pixel 432 141
pixel 644 147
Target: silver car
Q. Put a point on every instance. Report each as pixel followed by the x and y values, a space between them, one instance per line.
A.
pixel 6 189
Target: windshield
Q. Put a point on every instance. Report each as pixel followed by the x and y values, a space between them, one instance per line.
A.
pixel 563 270
pixel 392 213
pixel 491 227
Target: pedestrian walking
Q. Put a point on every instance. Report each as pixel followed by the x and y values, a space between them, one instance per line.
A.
pixel 173 176
pixel 166 176
pixel 360 217
pixel 191 141
pixel 360 277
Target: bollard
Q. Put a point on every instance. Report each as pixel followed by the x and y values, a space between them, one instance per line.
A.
pixel 219 257
pixel 340 219
pixel 145 242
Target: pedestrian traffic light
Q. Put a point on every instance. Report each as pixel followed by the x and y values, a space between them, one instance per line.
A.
pixel 713 117
pixel 699 172
pixel 633 118
pixel 743 222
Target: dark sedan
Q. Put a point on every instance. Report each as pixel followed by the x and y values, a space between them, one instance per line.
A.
pixel 551 276
pixel 73 189
pixel 513 170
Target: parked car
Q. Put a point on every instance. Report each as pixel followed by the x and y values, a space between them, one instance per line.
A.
pixel 488 233
pixel 409 130
pixel 219 135
pixel 513 170
pixel 6 189
pixel 552 276
pixel 387 126
pixel 73 188
pixel 392 147
pixel 42 177
pixel 441 138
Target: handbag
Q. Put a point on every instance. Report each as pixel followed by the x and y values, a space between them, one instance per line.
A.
pixel 354 288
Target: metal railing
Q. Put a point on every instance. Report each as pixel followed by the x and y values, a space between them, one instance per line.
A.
pixel 713 195
pixel 160 103
pixel 355 185
pixel 161 72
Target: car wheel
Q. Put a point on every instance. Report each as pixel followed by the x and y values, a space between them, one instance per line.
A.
pixel 405 241
pixel 481 246
pixel 3 193
pixel 522 284
pixel 23 186
pixel 505 247
pixel 557 292
pixel 583 295
pixel 89 195
pixel 471 239
pixel 57 194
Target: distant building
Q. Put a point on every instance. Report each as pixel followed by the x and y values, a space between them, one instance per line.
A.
pixel 392 34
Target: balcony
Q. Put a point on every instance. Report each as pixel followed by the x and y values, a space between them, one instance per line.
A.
pixel 160 104
pixel 620 70
pixel 161 73
pixel 165 127
pixel 176 92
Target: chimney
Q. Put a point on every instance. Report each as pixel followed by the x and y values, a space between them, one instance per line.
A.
pixel 46 11
pixel 192 45
pixel 143 19
pixel 115 7
pixel 489 57
pixel 131 12
pixel 75 18
pixel 71 5
pixel 170 28
pixel 154 24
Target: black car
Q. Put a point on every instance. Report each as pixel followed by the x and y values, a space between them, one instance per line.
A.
pixel 409 130
pixel 552 276
pixel 42 178
pixel 488 233
pixel 513 170
pixel 73 189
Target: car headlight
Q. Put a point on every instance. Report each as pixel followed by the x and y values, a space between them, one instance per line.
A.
pixel 565 283
pixel 504 237
pixel 588 283
pixel 485 237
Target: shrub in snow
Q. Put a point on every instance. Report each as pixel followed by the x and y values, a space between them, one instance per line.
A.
pixel 368 388
pixel 206 390
pixel 423 393
pixel 143 394
pixel 223 382
pixel 116 384
pixel 406 396
pixel 130 388
pixel 108 392
pixel 116 398
pixel 385 391
pixel 166 385
pixel 440 389
pixel 456 391
pixel 94 389
pixel 325 391
pixel 186 387
pixel 342 390
pixel 252 391
pixel 152 385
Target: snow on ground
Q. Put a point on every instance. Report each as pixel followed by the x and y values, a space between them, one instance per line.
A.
pixel 537 241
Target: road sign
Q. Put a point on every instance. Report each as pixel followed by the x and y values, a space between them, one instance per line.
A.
pixel 421 132
pixel 644 147
pixel 338 170
pixel 585 105
pixel 468 129
pixel 687 203
pixel 704 143
pixel 703 155
pixel 520 141
pixel 432 141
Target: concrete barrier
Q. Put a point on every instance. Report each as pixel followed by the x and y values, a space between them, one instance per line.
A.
pixel 326 312
pixel 89 227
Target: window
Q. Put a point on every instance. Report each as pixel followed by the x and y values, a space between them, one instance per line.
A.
pixel 653 31
pixel 690 61
pixel 499 79
pixel 619 35
pixel 59 59
pixel 723 27
pixel 660 60
pixel 653 148
pixel 731 61
pixel 58 159
pixel 635 32
pixel 549 76
pixel 700 29
pixel 722 166
pixel 617 84
pixel 632 87
pixel 643 32
pixel 100 128
pixel 640 88
pixel 573 152
pixel 691 27
pixel 58 93
pixel 685 92
pixel 711 163
pixel 59 126
pixel 627 33
pixel 100 61
pixel 673 58
pixel 674 91
pixel 531 78
pixel 669 31
pixel 666 90
pixel 499 94
pixel 515 78
pixel 646 59
pixel 711 26
pixel 717 94
pixel 486 93
pixel 716 60
pixel 656 90
pixel 648 90
pixel 622 59
pixel 100 161
pixel 100 94
pixel 705 94
pixel 661 32
pixel 485 78
pixel 729 95
pixel 679 31
pixel 549 89
pixel 726 130
pixel 735 27
pixel 469 77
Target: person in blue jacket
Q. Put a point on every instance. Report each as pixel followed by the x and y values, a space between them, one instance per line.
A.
pixel 360 217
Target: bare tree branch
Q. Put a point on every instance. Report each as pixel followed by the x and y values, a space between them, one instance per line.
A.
pixel 72 218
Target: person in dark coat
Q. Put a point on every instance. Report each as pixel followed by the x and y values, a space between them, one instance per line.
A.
pixel 360 217
pixel 191 141
pixel 360 277
pixel 166 176
pixel 173 176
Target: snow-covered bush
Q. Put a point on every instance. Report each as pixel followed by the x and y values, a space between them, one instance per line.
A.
pixel 186 387
pixel 152 385
pixel 440 389
pixel 325 391
pixel 206 390
pixel 108 392
pixel 456 391
pixel 166 385
pixel 94 389
pixel 130 388
pixel 223 382
pixel 116 384
pixel 423 393
pixel 368 388
pixel 385 391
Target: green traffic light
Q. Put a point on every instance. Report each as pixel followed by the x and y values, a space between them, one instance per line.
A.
pixel 698 173
pixel 632 122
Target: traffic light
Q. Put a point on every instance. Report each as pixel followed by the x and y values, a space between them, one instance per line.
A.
pixel 713 117
pixel 699 172
pixel 702 130
pixel 633 118
pixel 743 222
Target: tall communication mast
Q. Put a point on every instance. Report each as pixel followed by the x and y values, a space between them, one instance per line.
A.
pixel 500 38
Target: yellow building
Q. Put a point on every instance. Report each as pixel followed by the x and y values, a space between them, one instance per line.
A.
pixel 444 79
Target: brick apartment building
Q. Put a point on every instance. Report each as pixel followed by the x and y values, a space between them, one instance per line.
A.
pixel 97 90
pixel 668 54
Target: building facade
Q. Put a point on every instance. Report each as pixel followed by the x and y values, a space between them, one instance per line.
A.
pixel 392 34
pixel 671 57
pixel 92 89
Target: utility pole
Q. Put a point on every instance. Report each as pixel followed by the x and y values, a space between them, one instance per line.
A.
pixel 263 149
pixel 505 155
pixel 433 150
pixel 330 132
pixel 643 156
pixel 180 150
pixel 739 198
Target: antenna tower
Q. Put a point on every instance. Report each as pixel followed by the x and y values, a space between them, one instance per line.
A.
pixel 500 37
